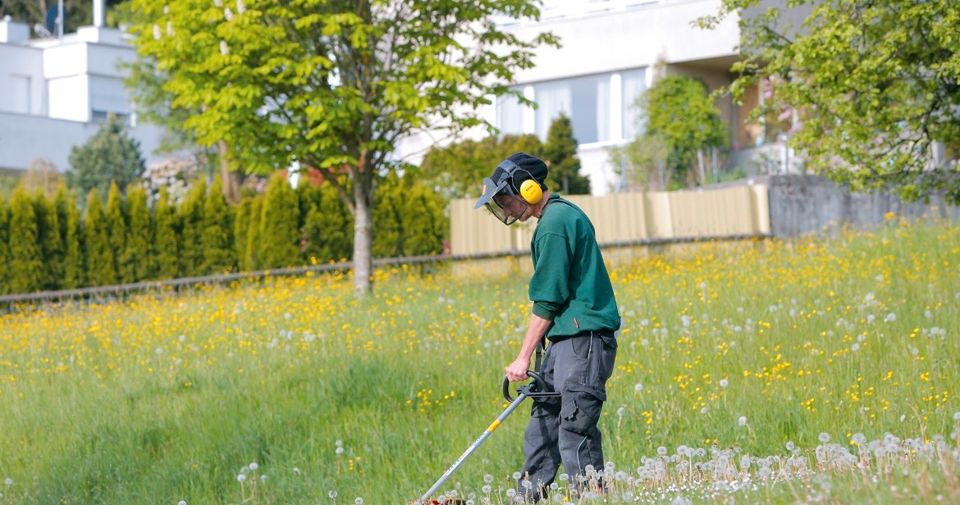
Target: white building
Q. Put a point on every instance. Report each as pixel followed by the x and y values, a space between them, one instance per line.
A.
pixel 55 92
pixel 607 58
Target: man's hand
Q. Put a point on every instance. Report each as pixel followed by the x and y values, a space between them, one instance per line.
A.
pixel 517 371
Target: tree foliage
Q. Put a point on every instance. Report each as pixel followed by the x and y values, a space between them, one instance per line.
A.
pixel 96 240
pixel 166 239
pixel 457 170
pixel 678 111
pixel 333 85
pixel 138 248
pixel 109 156
pixel 279 237
pixel 218 256
pixel 876 85
pixel 26 267
pixel 560 153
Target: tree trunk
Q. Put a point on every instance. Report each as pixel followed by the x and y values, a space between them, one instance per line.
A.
pixel 229 179
pixel 362 243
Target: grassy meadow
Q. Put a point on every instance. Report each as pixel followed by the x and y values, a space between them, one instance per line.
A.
pixel 756 372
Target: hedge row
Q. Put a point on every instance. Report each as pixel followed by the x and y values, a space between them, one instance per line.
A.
pixel 46 244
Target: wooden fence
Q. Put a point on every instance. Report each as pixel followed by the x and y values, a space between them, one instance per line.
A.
pixel 626 218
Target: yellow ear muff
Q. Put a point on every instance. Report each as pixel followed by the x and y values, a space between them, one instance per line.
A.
pixel 531 192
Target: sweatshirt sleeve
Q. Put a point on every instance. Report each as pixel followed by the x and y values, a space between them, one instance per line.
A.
pixel 549 286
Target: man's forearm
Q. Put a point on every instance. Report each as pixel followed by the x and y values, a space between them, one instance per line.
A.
pixel 535 331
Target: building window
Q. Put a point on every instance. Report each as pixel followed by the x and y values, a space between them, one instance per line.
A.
pixel 585 99
pixel 634 83
pixel 510 114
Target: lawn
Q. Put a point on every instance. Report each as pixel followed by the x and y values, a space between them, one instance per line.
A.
pixel 771 371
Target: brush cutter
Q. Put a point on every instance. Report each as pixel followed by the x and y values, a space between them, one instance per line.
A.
pixel 537 388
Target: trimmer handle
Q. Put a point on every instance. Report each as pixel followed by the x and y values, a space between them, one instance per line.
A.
pixel 536 389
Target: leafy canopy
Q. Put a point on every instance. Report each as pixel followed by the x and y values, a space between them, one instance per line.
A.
pixel 876 84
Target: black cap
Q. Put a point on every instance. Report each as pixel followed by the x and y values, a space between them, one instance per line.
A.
pixel 510 173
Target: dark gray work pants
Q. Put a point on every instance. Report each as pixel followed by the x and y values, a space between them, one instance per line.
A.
pixel 565 430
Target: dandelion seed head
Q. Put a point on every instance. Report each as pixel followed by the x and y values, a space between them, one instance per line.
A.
pixel 358 501
pixel 742 421
pixel 724 383
pixel 332 494
pixel 241 478
pixel 824 437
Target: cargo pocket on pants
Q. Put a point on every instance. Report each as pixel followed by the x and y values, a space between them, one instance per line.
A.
pixel 579 411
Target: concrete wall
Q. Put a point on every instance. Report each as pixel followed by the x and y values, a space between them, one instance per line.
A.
pixel 801 204
pixel 25 137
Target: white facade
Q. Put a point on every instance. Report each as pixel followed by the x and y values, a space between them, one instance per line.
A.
pixel 55 93
pixel 608 52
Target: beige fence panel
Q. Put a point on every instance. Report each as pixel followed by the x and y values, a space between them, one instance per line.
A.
pixel 623 217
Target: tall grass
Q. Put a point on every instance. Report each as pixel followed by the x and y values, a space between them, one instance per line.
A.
pixel 748 347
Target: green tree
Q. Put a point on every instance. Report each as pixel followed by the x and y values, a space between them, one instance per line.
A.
pixel 26 262
pixel 679 111
pixel 251 255
pixel 217 237
pixel 110 156
pixel 116 222
pixel 457 170
pixel 279 236
pixel 424 223
pixel 241 224
pixel 388 218
pixel 190 221
pixel 876 86
pixel 560 153
pixel 96 242
pixel 71 233
pixel 326 228
pixel 333 85
pixel 51 241
pixel 165 264
pixel 138 249
pixel 5 270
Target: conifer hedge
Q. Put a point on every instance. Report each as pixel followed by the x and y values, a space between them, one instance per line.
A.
pixel 62 243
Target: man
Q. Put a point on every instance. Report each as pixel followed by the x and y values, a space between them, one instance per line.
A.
pixel 574 308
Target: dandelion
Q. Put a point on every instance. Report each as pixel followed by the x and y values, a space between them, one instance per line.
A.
pixel 927 314
pixel 339 451
pixel 956 416
pixel 685 320
pixel 156 32
pixel 891 317
pixel 488 479
pixel 511 493
pixel 516 475
pixel 661 451
pixel 565 477
pixel 182 502
pixel 858 438
pixel 791 446
pixel 263 478
pixel 742 421
pixel 241 478
pixel 253 466
pixel 724 383
pixel 296 471
pixel 855 347
pixel 621 412
pixel 638 387
pixel 824 437
pixel 486 489
pixel 358 501
pixel 332 494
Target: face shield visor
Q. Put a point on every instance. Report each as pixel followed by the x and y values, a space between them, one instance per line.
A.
pixel 499 200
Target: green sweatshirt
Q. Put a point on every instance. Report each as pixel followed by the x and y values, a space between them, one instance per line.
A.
pixel 570 284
